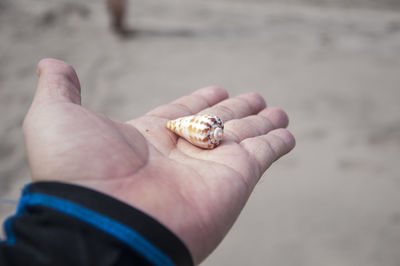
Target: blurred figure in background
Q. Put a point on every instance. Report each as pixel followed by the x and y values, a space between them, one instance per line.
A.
pixel 117 12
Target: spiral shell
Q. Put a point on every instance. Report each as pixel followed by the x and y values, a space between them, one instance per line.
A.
pixel 204 131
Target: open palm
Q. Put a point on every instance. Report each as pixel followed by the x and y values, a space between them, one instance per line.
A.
pixel 196 193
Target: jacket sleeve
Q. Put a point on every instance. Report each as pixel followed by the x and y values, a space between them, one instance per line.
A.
pixel 62 224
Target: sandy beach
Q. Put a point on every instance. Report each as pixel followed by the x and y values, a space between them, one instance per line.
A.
pixel 334 66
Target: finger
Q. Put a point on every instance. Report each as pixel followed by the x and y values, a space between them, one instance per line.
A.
pixel 57 82
pixel 192 103
pixel 251 126
pixel 237 107
pixel 268 148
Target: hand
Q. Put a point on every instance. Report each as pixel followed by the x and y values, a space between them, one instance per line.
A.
pixel 196 193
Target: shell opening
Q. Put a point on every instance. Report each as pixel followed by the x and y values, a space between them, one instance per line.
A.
pixel 218 134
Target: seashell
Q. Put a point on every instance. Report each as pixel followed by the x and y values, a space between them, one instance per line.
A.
pixel 204 131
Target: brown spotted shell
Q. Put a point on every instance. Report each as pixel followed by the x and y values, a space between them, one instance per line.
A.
pixel 204 131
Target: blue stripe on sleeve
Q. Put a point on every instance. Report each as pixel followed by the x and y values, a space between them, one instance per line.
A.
pixel 9 232
pixel 105 224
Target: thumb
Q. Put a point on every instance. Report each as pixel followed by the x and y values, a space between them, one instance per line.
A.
pixel 57 82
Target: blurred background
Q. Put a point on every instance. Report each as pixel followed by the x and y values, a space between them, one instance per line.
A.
pixel 333 65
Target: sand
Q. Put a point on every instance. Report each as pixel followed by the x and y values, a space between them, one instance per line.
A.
pixel 334 66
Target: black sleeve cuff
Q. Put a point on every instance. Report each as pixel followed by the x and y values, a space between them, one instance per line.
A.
pixel 96 227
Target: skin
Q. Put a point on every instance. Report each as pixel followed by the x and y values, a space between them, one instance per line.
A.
pixel 196 193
